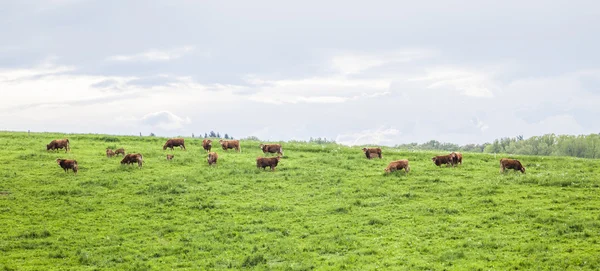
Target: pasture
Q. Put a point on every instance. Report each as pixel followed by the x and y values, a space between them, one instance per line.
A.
pixel 326 207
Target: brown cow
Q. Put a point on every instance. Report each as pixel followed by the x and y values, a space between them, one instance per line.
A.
pixel 456 158
pixel 174 142
pixel 212 158
pixel 272 148
pixel 230 144
pixel 442 159
pixel 511 164
pixel 131 158
pixel 398 165
pixel 207 144
pixel 121 151
pixel 59 144
pixel 170 157
pixel 68 164
pixel 372 152
pixel 110 153
pixel 263 162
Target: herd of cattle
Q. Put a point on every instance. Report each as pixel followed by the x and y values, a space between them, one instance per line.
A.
pixel 451 159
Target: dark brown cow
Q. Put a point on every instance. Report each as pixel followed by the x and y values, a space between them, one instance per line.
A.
pixel 170 157
pixel 207 144
pixel 230 144
pixel 175 142
pixel 59 144
pixel 212 158
pixel 442 159
pixel 511 164
pixel 121 151
pixel 110 153
pixel 263 162
pixel 398 165
pixel 131 158
pixel 68 164
pixel 372 152
pixel 272 148
pixel 456 158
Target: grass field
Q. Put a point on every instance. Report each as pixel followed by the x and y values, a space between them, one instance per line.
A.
pixel 324 208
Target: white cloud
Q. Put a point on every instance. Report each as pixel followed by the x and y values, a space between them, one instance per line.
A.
pixel 154 55
pixel 379 136
pixel 468 83
pixel 164 120
pixel 348 63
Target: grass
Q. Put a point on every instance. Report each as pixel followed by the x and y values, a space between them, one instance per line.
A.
pixel 324 208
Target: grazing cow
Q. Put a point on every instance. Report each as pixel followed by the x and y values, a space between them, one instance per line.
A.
pixel 442 159
pixel 59 144
pixel 68 164
pixel 174 142
pixel 170 157
pixel 110 153
pixel 372 152
pixel 131 158
pixel 212 158
pixel 398 165
pixel 511 164
pixel 207 144
pixel 230 144
pixel 121 151
pixel 456 158
pixel 264 162
pixel 272 148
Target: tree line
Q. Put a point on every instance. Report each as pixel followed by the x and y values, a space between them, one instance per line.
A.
pixel 583 146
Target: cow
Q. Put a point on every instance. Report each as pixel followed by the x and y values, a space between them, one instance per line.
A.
pixel 121 151
pixel 174 142
pixel 456 158
pixel 110 153
pixel 398 165
pixel 511 164
pixel 207 144
pixel 272 148
pixel 212 158
pixel 372 152
pixel 59 144
pixel 68 164
pixel 442 159
pixel 264 162
pixel 230 144
pixel 170 157
pixel 131 158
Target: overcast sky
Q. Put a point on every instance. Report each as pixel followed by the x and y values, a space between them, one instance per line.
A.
pixel 359 72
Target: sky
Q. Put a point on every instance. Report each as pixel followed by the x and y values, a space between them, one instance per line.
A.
pixel 358 72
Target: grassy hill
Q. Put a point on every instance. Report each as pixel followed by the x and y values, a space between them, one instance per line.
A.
pixel 324 208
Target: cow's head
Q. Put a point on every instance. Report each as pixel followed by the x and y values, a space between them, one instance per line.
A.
pixel 364 149
pixel 387 170
pixel 261 146
pixel 523 169
pixel 58 160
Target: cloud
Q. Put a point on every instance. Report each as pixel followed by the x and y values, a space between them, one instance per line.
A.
pixel 381 136
pixel 470 83
pixel 349 63
pixel 154 55
pixel 164 120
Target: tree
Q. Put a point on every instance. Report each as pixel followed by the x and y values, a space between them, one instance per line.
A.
pixel 218 135
pixel 212 134
pixel 205 135
pixel 152 134
pixel 226 136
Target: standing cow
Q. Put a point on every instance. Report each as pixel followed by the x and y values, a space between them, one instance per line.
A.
pixel 456 158
pixel 442 159
pixel 59 144
pixel 272 148
pixel 263 162
pixel 120 151
pixel 110 153
pixel 174 142
pixel 207 144
pixel 131 158
pixel 68 164
pixel 212 158
pixel 230 144
pixel 398 165
pixel 372 152
pixel 506 163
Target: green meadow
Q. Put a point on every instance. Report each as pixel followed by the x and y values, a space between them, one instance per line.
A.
pixel 325 207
